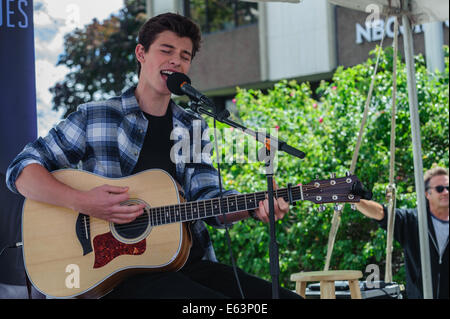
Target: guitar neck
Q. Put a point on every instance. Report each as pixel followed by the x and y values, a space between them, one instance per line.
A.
pixel 335 190
pixel 190 211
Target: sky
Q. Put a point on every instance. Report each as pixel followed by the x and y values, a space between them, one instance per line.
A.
pixel 52 20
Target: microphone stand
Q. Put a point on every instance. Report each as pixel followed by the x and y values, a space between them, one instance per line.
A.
pixel 271 145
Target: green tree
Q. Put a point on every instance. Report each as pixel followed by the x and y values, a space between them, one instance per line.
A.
pixel 100 58
pixel 326 130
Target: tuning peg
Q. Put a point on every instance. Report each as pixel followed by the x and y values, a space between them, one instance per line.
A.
pixel 337 207
pixel 353 206
pixel 322 208
pixel 347 173
pixel 332 175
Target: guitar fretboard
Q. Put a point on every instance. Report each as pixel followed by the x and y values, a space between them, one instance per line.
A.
pixel 217 206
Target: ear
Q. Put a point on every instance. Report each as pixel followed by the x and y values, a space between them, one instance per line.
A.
pixel 427 194
pixel 139 52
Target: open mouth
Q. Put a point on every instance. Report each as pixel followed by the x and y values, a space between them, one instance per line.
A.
pixel 166 73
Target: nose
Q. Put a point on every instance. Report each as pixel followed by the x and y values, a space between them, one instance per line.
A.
pixel 175 60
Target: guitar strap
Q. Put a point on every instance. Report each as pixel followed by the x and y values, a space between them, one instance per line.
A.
pixel 28 286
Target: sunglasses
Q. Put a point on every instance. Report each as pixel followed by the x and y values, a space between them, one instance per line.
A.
pixel 440 188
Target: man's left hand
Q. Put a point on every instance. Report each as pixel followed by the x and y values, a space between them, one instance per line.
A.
pixel 280 205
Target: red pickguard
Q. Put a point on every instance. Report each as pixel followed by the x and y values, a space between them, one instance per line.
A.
pixel 106 248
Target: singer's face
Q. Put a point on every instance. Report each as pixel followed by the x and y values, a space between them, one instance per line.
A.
pixel 168 53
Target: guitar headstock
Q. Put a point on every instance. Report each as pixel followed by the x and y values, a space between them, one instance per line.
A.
pixel 346 189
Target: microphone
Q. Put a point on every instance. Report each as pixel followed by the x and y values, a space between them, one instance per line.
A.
pixel 180 84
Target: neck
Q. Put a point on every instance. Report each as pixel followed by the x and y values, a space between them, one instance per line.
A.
pixel 150 101
pixel 440 212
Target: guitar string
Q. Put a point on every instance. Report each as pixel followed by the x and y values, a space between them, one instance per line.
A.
pixel 162 216
pixel 158 216
pixel 160 213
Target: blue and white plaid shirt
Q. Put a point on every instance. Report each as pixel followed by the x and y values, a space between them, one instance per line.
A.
pixel 106 138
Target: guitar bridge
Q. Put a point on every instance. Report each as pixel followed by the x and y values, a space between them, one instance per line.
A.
pixel 83 231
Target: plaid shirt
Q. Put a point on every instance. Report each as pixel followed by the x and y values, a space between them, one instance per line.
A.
pixel 106 138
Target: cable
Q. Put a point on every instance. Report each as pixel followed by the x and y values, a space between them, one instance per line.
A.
pixel 224 215
pixel 16 245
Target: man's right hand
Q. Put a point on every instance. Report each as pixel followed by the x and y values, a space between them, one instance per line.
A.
pixel 105 202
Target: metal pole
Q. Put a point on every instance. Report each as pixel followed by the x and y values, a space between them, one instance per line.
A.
pixel 434 41
pixel 418 166
pixel 149 8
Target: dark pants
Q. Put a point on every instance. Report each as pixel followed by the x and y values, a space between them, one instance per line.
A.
pixel 198 280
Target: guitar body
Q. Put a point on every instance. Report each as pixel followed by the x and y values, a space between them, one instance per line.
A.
pixel 68 254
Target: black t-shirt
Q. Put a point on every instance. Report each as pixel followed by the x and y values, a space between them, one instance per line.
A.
pixel 155 152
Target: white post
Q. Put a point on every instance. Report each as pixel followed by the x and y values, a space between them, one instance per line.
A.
pixel 434 41
pixel 418 166
pixel 149 8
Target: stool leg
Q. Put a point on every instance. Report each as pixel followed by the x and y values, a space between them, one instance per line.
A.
pixel 300 288
pixel 355 291
pixel 327 290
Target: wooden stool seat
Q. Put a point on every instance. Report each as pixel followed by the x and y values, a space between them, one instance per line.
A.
pixel 327 279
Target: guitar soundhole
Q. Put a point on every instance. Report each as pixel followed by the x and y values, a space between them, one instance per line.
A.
pixel 134 231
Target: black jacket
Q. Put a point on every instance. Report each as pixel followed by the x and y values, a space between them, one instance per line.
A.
pixel 406 232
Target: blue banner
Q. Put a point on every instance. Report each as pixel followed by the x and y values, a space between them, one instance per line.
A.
pixel 18 122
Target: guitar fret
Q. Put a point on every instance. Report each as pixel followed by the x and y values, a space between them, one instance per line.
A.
pixel 177 213
pixel 201 209
pixel 183 212
pixel 160 212
pixel 172 215
pixel 195 209
pixel 216 206
pixel 223 202
pixel 151 217
pixel 233 204
pixel 189 211
pixel 166 214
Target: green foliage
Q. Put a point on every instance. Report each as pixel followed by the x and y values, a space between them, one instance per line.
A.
pixel 100 58
pixel 326 130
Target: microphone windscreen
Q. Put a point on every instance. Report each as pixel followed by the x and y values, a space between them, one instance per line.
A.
pixel 174 82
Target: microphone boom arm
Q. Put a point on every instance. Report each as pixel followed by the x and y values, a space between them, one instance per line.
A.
pixel 223 118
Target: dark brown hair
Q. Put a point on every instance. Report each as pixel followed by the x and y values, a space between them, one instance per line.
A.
pixel 180 25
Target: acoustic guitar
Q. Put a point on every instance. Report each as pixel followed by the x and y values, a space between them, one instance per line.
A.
pixel 68 254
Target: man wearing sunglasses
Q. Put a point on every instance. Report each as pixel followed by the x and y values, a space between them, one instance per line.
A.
pixel 406 232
